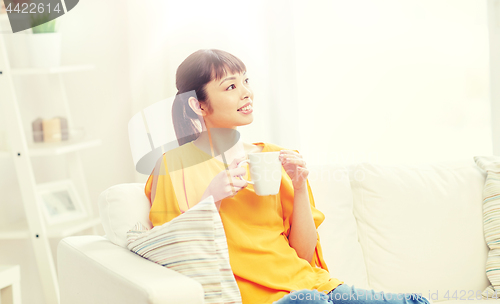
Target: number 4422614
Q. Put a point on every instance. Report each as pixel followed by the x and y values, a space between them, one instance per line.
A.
pixel 31 8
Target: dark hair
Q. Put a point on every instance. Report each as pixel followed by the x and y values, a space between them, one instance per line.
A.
pixel 192 75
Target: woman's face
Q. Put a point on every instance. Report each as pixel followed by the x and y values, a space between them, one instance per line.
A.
pixel 231 100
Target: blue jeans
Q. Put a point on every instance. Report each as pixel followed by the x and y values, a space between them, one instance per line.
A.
pixel 345 294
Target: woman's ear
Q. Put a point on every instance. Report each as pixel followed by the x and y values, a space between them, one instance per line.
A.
pixel 196 106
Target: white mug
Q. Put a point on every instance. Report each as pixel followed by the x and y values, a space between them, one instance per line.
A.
pixel 265 170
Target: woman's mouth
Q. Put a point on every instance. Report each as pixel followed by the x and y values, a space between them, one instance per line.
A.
pixel 246 109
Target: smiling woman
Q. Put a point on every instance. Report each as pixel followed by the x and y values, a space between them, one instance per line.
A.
pixel 273 243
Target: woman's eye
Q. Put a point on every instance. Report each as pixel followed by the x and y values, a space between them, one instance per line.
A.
pixel 233 86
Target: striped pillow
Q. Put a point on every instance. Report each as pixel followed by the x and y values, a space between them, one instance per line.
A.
pixel 491 220
pixel 194 244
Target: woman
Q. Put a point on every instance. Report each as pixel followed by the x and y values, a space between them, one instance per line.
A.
pixel 273 244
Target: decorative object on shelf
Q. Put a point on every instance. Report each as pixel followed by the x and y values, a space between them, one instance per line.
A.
pixel 45 42
pixel 64 128
pixel 60 202
pixel 37 128
pixel 51 130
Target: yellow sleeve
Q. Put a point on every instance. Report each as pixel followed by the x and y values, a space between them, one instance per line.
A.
pixel 160 191
pixel 318 217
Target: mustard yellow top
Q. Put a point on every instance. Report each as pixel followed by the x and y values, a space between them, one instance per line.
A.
pixel 265 267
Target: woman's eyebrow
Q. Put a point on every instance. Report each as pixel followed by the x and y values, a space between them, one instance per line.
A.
pixel 230 78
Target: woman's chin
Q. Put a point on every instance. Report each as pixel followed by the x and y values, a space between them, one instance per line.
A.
pixel 247 121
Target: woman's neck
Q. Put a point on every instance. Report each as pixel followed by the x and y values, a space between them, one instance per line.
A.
pixel 216 141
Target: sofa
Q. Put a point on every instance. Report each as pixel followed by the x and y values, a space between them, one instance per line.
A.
pixel 403 228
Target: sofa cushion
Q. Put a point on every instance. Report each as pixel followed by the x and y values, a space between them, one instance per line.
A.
pixel 194 244
pixel 121 207
pixel 421 226
pixel 491 216
pixel 338 233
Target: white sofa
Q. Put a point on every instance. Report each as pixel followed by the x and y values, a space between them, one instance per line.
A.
pixel 402 229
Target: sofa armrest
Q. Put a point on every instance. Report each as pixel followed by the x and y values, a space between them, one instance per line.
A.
pixel 91 269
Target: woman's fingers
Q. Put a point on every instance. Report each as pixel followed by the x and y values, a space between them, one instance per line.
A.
pixel 292 157
pixel 295 161
pixel 238 183
pixel 290 153
pixel 238 171
pixel 236 186
pixel 236 161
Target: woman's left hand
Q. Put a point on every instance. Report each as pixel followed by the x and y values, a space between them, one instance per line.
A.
pixel 295 167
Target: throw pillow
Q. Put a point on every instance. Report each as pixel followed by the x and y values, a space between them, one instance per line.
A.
pixel 194 244
pixel 491 220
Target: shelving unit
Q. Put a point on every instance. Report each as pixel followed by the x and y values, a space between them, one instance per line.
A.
pixel 21 151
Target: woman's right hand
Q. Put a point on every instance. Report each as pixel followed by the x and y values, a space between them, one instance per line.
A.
pixel 220 187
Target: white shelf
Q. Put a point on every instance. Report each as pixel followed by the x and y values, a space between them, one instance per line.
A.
pixel 52 149
pixel 52 70
pixel 20 229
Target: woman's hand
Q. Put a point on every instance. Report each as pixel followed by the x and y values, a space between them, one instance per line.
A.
pixel 295 166
pixel 226 183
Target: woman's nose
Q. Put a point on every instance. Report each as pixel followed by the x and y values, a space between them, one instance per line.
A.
pixel 246 93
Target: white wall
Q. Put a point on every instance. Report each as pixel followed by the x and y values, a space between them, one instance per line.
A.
pixel 393 81
pixel 494 38
pixel 93 32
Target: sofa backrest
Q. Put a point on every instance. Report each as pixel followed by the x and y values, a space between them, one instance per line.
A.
pixel 420 227
pixel 338 233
